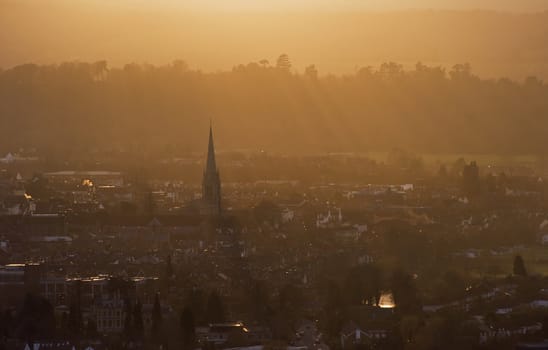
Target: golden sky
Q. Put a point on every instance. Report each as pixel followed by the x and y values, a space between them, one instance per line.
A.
pixel 336 35
pixel 292 5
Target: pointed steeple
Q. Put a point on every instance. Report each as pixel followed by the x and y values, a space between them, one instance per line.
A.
pixel 211 183
pixel 211 166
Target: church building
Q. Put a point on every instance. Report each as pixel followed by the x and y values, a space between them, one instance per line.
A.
pixel 211 183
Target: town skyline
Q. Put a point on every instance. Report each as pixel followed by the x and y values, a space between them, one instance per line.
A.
pixel 273 175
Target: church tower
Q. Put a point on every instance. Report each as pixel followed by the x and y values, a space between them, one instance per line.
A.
pixel 211 182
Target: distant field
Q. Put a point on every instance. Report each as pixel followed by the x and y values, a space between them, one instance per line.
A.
pixel 535 257
pixel 448 158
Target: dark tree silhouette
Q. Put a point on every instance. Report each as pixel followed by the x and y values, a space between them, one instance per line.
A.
pixel 138 319
pixel 519 266
pixel 290 300
pixel 91 328
pixel 362 285
pixel 545 327
pixel 405 292
pixel 6 323
pixel 458 103
pixel 442 172
pixel 156 318
pixel 259 302
pixel 196 301
pixel 75 320
pixel 333 309
pixel 38 186
pixel 187 327
pixel 128 320
pixel 283 62
pixel 215 311
pixel 36 319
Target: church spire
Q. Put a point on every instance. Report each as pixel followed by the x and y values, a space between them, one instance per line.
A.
pixel 211 183
pixel 211 165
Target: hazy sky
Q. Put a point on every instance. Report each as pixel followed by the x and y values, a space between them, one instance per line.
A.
pixel 503 5
pixel 241 5
pixel 336 35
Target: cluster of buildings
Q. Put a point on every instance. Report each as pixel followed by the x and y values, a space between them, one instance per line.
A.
pixel 100 238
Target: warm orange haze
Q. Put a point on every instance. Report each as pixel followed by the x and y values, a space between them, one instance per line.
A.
pixel 274 175
pixel 361 75
pixel 499 38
